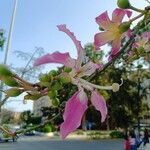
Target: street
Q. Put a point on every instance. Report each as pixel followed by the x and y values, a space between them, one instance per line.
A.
pixel 40 143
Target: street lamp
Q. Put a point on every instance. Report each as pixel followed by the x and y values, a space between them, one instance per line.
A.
pixel 9 42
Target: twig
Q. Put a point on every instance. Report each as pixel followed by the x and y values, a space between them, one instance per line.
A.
pixel 24 70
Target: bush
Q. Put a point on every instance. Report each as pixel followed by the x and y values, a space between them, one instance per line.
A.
pixel 116 134
pixel 96 135
pixel 48 128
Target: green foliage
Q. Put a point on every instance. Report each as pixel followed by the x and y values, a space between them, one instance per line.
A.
pixel 116 134
pixel 91 54
pixel 28 118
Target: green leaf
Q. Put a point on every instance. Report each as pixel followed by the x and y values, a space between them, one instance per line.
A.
pixel 4 71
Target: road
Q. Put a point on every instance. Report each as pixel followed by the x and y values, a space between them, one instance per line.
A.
pixel 39 143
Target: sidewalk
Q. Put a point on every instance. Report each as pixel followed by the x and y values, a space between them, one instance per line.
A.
pixel 80 135
pixel 147 147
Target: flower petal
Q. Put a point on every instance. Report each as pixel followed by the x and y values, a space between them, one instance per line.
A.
pixel 128 13
pixel 116 44
pixel 89 69
pixel 99 103
pixel 146 35
pixel 56 57
pixel 102 38
pixel 103 20
pixel 72 36
pixel 118 15
pixel 74 110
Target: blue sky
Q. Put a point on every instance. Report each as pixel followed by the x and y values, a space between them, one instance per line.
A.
pixel 35 26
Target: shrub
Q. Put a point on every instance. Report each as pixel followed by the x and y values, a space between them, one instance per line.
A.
pixel 116 134
pixel 48 128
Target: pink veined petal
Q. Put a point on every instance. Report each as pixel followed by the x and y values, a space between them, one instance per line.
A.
pixel 72 36
pixel 56 57
pixel 99 103
pixel 74 110
pixel 128 13
pixel 118 15
pixel 89 69
pixel 102 38
pixel 103 20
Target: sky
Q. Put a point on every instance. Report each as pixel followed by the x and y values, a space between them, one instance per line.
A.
pixel 35 26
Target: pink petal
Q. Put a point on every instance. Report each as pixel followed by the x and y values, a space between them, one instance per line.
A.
pixel 116 44
pixel 72 36
pixel 102 38
pixel 99 103
pixel 146 35
pixel 134 45
pixel 118 15
pixel 74 110
pixel 103 20
pixel 56 57
pixel 128 13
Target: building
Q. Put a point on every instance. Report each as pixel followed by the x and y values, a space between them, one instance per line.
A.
pixel 41 102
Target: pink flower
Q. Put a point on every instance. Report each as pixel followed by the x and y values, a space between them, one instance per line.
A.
pixel 77 104
pixel 112 30
pixel 142 41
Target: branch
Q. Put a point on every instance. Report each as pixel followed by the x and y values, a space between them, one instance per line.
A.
pixel 3 101
pixel 38 126
pixel 122 51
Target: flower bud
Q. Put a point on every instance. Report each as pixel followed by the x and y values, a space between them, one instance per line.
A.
pixel 13 92
pixel 10 82
pixel 4 71
pixel 65 78
pixel 124 27
pixel 55 101
pixel 32 97
pixel 124 4
pixel 52 94
pixel 67 69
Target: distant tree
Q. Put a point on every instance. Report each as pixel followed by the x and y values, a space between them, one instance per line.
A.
pixel 25 68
